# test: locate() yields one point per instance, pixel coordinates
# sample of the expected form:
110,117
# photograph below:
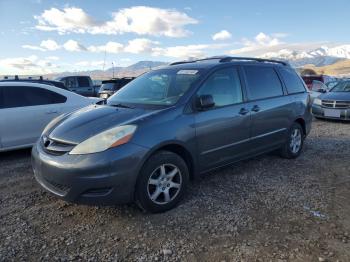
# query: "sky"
43,36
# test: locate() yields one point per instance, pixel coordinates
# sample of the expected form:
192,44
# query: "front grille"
97,192
336,104
59,189
56,147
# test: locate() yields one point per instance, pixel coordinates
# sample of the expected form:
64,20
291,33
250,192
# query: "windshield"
108,86
342,87
159,87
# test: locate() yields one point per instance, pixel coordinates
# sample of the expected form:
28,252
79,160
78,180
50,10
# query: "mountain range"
131,70
321,56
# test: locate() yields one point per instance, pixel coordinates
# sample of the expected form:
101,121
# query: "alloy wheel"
295,141
164,184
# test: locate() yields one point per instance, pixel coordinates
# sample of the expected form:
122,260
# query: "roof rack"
231,58
198,60
223,59
16,78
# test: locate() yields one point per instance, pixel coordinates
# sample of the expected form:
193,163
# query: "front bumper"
319,111
104,178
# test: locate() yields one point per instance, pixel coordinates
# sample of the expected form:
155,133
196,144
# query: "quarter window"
292,81
263,82
224,86
21,96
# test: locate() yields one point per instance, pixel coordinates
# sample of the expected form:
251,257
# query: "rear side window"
21,96
224,86
263,82
292,81
83,81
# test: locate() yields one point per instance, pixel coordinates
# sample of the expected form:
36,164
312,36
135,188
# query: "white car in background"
26,108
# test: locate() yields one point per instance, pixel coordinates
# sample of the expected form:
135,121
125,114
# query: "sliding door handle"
256,108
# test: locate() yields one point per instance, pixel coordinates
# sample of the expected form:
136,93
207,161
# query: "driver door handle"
52,112
256,108
243,111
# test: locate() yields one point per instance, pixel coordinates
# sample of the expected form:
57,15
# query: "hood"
340,96
91,120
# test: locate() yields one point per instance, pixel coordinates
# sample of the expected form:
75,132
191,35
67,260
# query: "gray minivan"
171,125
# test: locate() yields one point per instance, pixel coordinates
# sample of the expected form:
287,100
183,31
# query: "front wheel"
162,182
295,141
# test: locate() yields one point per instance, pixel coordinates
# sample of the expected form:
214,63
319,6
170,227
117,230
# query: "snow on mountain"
319,57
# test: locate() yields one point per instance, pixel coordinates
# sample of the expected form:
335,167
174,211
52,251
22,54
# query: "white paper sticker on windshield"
187,72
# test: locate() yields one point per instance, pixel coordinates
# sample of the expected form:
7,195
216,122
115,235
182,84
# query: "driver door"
223,131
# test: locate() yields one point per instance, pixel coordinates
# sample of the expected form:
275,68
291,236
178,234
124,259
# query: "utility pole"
113,68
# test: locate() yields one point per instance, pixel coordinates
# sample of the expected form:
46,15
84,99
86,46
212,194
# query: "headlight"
318,101
107,139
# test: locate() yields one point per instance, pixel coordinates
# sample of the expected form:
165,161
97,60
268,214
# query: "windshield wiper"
122,105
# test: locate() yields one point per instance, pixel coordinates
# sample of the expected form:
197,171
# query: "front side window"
69,82
263,82
224,86
22,96
159,87
292,81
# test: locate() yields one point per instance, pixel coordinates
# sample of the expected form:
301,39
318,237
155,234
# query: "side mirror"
321,90
205,101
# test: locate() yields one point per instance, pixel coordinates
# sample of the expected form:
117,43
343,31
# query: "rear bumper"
104,178
319,111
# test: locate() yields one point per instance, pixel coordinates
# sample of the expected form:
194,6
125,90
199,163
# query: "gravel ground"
263,209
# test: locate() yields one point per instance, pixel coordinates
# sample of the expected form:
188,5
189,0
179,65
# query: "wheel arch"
301,122
178,148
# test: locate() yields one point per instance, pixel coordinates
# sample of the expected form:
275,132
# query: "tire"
293,147
162,182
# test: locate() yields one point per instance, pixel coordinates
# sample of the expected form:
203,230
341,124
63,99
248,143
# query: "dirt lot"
264,209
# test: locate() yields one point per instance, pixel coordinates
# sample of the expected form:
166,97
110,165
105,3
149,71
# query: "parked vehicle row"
26,107
169,126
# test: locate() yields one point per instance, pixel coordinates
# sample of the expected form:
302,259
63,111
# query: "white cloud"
45,45
141,20
71,19
73,46
184,52
110,47
33,47
27,65
222,35
90,63
261,41
49,45
140,45
55,58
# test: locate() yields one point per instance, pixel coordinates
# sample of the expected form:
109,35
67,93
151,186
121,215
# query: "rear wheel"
162,182
295,141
